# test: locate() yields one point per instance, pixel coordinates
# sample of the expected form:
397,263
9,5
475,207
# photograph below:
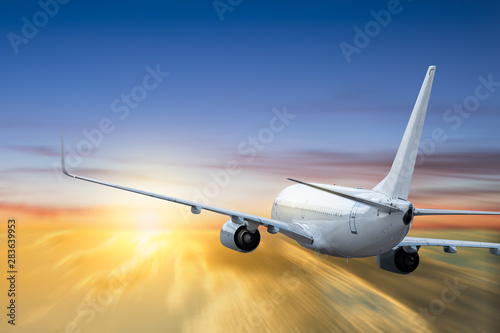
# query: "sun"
149,221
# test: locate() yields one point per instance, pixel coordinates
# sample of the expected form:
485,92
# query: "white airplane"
341,221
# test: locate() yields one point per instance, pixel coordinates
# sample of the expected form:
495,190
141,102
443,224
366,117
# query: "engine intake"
237,237
398,261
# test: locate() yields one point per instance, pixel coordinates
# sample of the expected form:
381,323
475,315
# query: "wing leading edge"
293,231
449,246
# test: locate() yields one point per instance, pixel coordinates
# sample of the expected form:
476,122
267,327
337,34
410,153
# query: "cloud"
34,150
41,211
321,164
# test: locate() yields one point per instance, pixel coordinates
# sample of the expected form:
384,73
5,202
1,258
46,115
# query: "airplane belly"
372,237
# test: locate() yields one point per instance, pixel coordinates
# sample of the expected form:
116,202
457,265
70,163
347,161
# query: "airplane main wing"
449,246
293,231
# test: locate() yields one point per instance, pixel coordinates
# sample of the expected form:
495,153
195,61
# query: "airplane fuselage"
341,227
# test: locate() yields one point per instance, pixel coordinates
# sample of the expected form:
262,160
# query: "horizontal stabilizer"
351,196
423,212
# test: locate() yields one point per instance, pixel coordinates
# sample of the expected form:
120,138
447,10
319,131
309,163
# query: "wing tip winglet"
63,162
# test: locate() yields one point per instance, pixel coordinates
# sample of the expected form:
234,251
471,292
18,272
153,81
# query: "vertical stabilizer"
397,182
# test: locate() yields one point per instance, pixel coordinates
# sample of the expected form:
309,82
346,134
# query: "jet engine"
398,261
408,217
237,237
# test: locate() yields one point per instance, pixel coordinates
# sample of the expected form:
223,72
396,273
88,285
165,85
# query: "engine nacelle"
237,237
398,261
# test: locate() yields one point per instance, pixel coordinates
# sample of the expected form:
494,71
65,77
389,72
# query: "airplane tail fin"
397,182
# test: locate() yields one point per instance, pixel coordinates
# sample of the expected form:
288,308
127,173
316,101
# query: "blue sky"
225,78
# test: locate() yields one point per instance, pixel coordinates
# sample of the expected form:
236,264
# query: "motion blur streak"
185,281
